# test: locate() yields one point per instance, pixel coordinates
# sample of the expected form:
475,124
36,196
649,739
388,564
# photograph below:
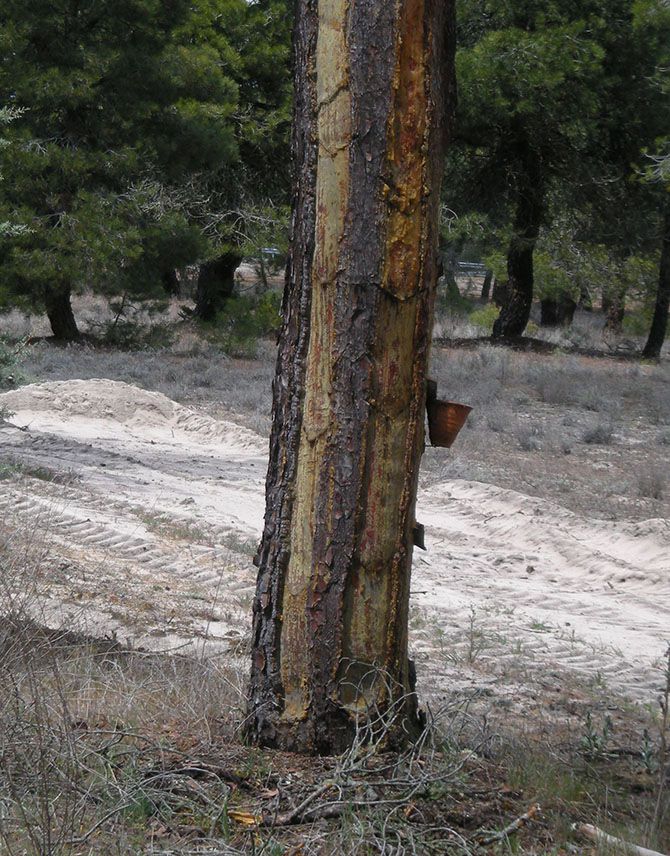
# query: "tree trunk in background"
61,317
486,287
548,312
659,323
170,282
372,83
515,311
557,312
614,307
216,283
567,306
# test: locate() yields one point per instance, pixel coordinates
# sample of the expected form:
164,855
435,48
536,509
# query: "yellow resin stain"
334,135
379,589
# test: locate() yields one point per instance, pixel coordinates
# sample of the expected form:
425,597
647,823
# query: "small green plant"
594,739
10,372
476,640
647,752
243,321
661,803
484,317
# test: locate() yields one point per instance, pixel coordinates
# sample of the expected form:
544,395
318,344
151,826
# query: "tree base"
338,729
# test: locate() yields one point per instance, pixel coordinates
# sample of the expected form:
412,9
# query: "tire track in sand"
152,526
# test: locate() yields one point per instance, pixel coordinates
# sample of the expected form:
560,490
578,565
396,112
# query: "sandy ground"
149,513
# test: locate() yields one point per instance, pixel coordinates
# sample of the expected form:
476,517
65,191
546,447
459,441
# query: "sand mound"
139,411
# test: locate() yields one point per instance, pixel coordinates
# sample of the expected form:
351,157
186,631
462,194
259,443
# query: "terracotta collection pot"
445,420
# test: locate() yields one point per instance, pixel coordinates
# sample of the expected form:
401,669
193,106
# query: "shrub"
243,321
10,373
131,336
651,483
600,434
638,321
484,317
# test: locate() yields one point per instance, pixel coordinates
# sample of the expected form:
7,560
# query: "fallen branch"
600,837
513,827
296,814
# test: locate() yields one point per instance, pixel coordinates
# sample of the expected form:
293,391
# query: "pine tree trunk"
486,287
331,607
548,312
171,284
614,307
61,317
567,307
659,323
216,283
515,311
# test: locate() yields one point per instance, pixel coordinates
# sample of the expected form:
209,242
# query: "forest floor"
132,496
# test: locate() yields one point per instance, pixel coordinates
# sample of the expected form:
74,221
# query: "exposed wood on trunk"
330,613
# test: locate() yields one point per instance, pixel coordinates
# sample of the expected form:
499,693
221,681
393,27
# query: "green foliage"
243,321
451,300
10,353
556,101
484,317
143,131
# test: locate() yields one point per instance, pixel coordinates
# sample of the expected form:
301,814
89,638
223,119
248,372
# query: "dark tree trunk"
452,286
559,312
548,312
216,283
614,307
486,287
515,311
659,322
171,284
566,310
329,640
499,292
61,317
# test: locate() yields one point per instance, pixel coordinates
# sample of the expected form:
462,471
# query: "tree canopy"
134,140
556,103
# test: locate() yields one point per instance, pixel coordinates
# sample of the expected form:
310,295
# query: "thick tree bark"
331,606
61,317
515,310
216,283
659,322
499,292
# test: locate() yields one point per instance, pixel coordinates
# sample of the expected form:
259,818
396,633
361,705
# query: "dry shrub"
83,722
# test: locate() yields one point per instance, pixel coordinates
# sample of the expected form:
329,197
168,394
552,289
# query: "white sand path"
527,575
